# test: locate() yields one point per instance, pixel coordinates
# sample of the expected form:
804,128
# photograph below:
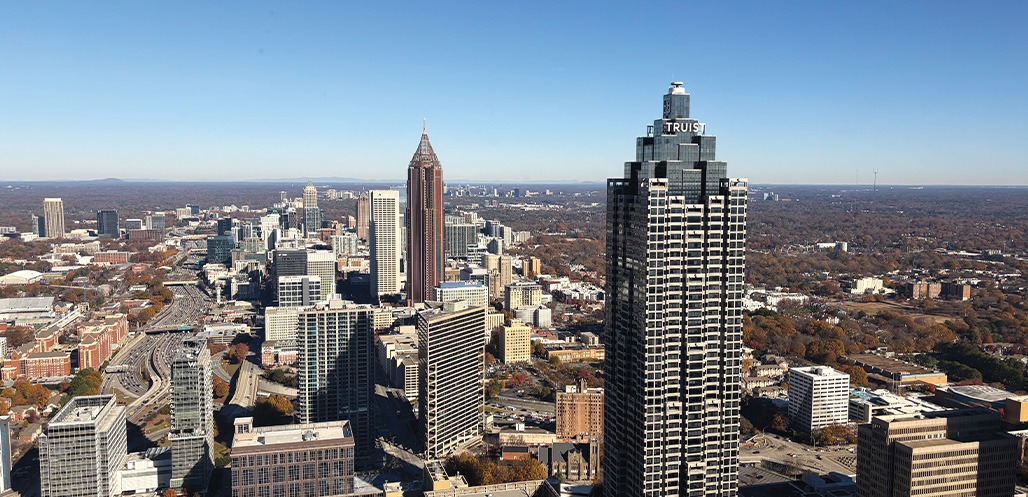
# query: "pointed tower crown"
424,155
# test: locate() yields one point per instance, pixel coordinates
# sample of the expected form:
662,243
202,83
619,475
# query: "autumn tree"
219,387
237,353
169,493
836,434
274,410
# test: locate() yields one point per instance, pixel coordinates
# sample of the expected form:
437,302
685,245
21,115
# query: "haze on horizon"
804,92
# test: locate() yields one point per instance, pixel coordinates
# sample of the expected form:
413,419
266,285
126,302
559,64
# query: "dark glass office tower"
425,244
676,227
107,223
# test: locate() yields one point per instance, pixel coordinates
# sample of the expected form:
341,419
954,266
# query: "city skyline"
235,92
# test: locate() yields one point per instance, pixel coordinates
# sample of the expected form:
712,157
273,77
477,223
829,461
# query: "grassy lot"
876,307
229,367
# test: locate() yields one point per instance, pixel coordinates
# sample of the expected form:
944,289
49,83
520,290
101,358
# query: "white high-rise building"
676,230
280,323
451,373
298,291
83,448
53,217
192,416
322,263
385,240
818,397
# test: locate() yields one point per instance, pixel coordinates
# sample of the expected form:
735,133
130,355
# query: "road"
819,460
524,405
187,308
247,379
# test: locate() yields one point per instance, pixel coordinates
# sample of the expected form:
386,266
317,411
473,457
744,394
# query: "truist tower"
676,229
425,234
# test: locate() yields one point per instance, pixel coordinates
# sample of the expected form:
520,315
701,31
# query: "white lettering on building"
687,127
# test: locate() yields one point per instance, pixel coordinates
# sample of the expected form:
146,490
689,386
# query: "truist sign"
672,127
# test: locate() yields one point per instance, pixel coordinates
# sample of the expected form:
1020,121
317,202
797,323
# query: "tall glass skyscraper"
425,236
107,223
676,227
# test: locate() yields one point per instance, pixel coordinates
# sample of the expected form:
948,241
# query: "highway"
187,308
247,380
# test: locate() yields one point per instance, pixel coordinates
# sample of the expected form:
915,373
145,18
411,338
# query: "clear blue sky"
927,92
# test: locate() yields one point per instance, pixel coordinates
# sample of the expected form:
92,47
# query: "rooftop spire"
424,154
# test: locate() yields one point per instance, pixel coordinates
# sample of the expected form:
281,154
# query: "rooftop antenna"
424,126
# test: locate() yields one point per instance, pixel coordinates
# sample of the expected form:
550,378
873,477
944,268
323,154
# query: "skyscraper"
107,223
5,453
219,249
192,417
83,448
311,213
37,225
384,238
322,263
336,353
425,236
451,357
676,227
53,216
363,215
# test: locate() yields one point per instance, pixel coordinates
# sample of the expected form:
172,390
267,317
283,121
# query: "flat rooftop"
287,434
983,393
26,304
891,365
461,284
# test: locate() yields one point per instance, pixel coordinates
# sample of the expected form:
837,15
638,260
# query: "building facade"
676,227
280,323
579,412
311,212
451,355
475,294
322,263
363,215
384,242
952,453
82,449
336,355
219,249
516,343
53,217
298,291
818,397
520,295
107,223
425,236
301,460
192,417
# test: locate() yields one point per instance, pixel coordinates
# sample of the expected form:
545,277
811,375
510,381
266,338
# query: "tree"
836,434
493,388
274,410
468,466
85,382
489,359
169,493
858,377
526,470
519,380
220,388
237,353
